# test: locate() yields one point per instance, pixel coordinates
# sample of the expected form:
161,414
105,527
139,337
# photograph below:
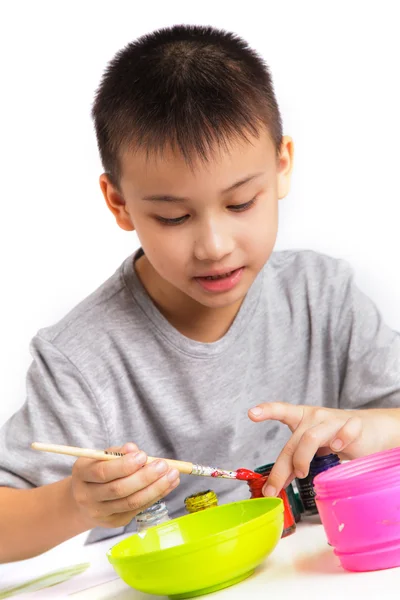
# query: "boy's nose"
213,243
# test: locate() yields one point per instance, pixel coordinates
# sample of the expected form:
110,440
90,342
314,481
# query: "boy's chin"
223,300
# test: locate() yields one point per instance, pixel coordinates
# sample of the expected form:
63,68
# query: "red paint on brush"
216,474
247,475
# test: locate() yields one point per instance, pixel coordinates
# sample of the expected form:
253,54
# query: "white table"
302,566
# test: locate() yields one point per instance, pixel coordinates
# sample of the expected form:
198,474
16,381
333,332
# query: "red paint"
247,475
289,524
221,285
216,474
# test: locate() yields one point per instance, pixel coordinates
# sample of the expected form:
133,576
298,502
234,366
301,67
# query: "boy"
204,323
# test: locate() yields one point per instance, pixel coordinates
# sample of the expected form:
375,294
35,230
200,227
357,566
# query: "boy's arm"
98,494
61,407
33,521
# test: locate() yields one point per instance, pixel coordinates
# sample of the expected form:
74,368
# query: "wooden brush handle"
182,466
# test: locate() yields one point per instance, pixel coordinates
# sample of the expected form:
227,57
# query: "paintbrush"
187,468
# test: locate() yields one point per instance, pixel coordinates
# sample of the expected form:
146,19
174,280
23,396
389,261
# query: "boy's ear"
285,166
116,203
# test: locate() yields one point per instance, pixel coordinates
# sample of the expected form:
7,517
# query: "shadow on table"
324,562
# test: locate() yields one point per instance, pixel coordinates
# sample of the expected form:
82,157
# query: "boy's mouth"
220,282
222,276
217,274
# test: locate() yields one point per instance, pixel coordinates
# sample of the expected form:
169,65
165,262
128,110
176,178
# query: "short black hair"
190,87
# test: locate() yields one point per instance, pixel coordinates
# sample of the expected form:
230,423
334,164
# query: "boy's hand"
348,433
109,493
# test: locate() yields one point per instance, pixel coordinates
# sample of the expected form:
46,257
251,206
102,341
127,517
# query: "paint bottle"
256,486
319,464
294,504
154,515
299,504
201,501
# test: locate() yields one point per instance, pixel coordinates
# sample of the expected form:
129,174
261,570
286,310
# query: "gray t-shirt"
115,370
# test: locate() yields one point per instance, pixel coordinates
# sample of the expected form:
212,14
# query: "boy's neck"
191,319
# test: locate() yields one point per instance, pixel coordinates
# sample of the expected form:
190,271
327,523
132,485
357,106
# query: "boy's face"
206,230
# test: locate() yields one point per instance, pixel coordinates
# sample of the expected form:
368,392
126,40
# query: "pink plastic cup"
359,506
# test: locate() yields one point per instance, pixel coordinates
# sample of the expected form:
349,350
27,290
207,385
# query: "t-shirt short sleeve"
368,350
59,408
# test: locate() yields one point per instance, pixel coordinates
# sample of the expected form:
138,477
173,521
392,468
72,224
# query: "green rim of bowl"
188,547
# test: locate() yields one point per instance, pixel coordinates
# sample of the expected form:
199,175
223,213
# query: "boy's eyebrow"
169,198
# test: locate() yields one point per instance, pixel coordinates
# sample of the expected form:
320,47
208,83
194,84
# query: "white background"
336,71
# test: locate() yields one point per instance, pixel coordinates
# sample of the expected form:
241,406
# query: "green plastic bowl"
201,552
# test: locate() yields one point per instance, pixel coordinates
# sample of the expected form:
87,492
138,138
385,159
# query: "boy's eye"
180,220
242,207
176,221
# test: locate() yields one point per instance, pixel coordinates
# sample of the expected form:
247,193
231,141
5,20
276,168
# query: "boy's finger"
288,481
283,467
289,414
129,447
348,434
125,449
299,451
126,486
104,471
138,501
311,441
